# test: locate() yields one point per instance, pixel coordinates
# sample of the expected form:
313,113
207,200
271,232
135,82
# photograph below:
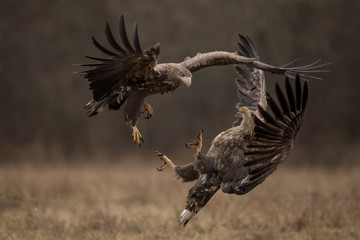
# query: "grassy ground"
133,202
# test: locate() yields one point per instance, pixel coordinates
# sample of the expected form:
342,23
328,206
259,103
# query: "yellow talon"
147,108
167,162
196,143
137,138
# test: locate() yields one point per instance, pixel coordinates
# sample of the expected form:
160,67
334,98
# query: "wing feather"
125,63
290,95
275,131
247,56
136,39
247,47
250,83
123,35
305,96
289,131
102,49
112,40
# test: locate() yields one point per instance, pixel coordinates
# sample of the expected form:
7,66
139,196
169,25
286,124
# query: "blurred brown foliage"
41,99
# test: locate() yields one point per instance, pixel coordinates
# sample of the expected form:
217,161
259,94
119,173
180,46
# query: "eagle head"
248,120
245,111
178,73
185,77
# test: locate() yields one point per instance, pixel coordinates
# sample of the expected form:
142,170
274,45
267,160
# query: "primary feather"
128,71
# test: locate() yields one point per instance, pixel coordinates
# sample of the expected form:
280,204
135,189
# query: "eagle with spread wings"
130,74
244,155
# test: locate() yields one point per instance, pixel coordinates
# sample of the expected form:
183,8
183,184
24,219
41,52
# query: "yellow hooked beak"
244,110
186,80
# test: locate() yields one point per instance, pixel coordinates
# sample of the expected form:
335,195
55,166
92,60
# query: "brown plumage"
244,155
131,74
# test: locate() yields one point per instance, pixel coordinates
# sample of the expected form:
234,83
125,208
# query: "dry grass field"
133,202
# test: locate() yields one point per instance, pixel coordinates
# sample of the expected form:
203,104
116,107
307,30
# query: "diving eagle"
244,155
131,74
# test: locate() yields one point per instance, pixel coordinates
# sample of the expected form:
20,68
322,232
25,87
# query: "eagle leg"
167,162
196,143
137,138
147,108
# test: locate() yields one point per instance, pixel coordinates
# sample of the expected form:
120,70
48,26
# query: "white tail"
185,217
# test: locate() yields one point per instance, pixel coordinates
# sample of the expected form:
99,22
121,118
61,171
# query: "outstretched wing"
128,63
250,82
274,136
203,60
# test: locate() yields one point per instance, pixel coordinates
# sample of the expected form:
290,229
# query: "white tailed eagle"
131,74
244,155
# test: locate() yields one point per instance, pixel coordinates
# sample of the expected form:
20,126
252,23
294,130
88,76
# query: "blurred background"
41,99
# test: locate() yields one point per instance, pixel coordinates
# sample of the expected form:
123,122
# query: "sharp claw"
196,143
160,169
159,154
136,137
140,141
148,116
199,136
146,109
167,162
191,144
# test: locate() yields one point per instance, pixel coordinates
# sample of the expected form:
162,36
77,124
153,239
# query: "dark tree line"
41,99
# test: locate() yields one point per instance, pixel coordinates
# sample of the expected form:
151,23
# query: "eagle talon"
136,136
143,115
167,162
161,168
159,154
196,143
146,108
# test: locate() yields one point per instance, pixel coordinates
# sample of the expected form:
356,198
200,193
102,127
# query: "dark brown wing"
128,63
274,136
203,60
250,82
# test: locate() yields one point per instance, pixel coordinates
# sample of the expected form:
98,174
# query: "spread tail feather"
206,186
185,217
